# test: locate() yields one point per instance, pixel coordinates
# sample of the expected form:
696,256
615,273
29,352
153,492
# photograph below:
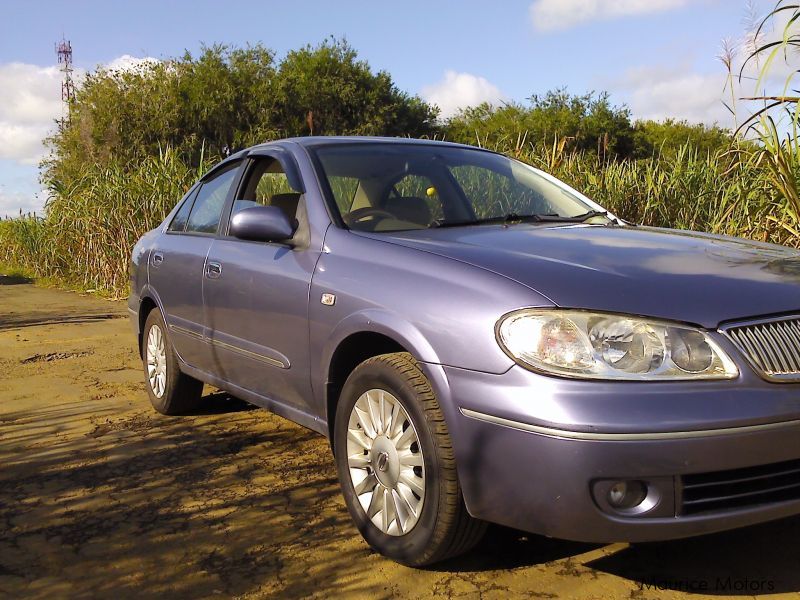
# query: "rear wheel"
396,464
171,392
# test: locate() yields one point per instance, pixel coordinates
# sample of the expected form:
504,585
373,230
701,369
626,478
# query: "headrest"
287,202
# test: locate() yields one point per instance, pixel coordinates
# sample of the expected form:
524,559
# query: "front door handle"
157,258
213,270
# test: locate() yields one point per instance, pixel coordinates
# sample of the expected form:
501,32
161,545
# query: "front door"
256,299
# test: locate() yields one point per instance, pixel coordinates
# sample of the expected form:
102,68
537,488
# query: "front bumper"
531,450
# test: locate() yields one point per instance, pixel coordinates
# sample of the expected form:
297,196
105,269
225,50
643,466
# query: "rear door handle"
157,258
213,270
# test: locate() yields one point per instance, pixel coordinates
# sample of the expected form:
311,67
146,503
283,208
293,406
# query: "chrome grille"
773,347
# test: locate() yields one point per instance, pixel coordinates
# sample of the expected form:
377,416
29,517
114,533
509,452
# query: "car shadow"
506,548
229,502
219,403
760,559
233,501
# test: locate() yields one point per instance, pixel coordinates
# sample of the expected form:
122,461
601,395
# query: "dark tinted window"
180,218
207,208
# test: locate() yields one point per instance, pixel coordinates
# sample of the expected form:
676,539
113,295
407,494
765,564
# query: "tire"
172,392
441,527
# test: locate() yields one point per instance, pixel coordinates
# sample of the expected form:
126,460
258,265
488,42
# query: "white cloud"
30,103
23,142
126,62
676,90
553,15
457,91
659,93
13,202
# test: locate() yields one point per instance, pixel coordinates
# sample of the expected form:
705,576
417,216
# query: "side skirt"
288,412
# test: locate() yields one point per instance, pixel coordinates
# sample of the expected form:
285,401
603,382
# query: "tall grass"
89,228
726,193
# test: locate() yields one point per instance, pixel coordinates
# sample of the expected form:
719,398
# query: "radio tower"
64,52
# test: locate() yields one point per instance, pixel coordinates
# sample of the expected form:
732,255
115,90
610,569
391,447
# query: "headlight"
591,345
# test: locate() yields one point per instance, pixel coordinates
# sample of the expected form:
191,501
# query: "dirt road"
102,497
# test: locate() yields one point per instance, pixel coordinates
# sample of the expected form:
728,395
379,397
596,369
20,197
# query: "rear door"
178,261
257,297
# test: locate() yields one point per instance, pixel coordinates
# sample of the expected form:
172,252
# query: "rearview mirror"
261,224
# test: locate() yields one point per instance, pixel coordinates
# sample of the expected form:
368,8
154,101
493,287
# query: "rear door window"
207,208
180,218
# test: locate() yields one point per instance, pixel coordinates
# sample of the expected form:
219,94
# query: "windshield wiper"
515,218
612,220
509,218
576,219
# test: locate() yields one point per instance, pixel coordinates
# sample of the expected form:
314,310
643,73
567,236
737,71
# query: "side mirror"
261,224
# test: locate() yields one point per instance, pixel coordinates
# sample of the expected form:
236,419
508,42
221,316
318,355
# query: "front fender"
384,322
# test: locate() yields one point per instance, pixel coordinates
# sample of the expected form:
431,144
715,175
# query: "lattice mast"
64,52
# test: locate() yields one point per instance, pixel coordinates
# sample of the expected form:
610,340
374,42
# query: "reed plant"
89,228
85,238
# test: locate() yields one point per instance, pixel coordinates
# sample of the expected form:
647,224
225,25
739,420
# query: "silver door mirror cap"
262,224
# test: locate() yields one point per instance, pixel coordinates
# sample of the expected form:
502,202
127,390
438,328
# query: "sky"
658,57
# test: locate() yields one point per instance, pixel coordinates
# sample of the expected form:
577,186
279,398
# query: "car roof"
328,140
331,140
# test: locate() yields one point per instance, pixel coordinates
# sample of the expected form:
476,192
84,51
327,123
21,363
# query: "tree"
590,122
666,137
224,99
327,90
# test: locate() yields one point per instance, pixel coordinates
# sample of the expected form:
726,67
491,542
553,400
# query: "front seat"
287,202
410,209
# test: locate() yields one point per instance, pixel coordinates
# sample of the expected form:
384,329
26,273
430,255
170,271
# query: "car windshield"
393,187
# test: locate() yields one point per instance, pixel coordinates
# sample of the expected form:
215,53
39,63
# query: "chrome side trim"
254,355
622,437
185,331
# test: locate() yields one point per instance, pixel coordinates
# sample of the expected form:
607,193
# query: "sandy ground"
102,497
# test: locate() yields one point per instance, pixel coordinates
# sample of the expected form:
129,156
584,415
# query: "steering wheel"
366,212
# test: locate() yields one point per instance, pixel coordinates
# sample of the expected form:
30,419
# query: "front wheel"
171,392
396,464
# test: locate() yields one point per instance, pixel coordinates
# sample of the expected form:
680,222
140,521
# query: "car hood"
691,277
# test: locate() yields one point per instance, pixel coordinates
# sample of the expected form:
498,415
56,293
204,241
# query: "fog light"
627,494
